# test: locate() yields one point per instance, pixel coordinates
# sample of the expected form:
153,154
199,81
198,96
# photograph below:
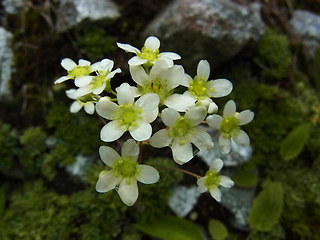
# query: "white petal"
68,64
216,165
111,131
158,68
212,107
224,145
229,109
245,117
196,115
201,187
75,107
114,72
130,149
182,153
128,48
139,75
242,138
160,139
186,81
201,139
62,79
83,63
107,64
125,94
142,132
169,116
226,182
180,102
170,55
203,69
174,76
135,61
106,108
152,43
106,182
83,81
148,174
221,87
100,89
148,103
214,121
70,93
83,91
108,155
128,191
89,108
216,194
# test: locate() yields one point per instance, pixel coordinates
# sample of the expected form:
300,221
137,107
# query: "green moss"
274,54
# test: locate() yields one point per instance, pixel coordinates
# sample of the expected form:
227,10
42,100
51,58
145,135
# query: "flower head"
149,54
181,131
86,101
202,90
212,180
97,84
161,80
75,71
125,172
229,126
131,116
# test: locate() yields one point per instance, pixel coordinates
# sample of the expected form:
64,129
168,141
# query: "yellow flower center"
212,179
199,88
180,129
79,71
229,127
97,81
157,86
149,54
127,115
126,168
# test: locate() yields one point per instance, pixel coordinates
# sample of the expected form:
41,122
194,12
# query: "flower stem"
184,171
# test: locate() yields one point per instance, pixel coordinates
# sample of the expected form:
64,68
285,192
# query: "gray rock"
14,6
6,61
207,29
238,201
237,156
73,12
79,167
306,25
183,200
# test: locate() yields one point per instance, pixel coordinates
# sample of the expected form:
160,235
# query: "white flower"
131,116
181,131
86,101
212,180
202,90
77,72
229,126
125,172
149,54
96,84
161,80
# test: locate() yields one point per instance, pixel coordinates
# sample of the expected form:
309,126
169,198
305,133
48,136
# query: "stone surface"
237,156
14,6
215,30
73,12
306,25
183,200
238,201
79,167
6,58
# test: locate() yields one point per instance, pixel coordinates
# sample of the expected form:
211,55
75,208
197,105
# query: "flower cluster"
134,109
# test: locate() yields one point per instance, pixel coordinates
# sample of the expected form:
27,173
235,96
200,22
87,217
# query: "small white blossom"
181,131
76,72
212,180
125,172
131,116
97,84
149,54
161,80
228,125
201,90
87,102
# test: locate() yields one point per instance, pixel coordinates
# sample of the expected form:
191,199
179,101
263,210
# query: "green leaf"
267,207
217,230
293,144
245,178
171,228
